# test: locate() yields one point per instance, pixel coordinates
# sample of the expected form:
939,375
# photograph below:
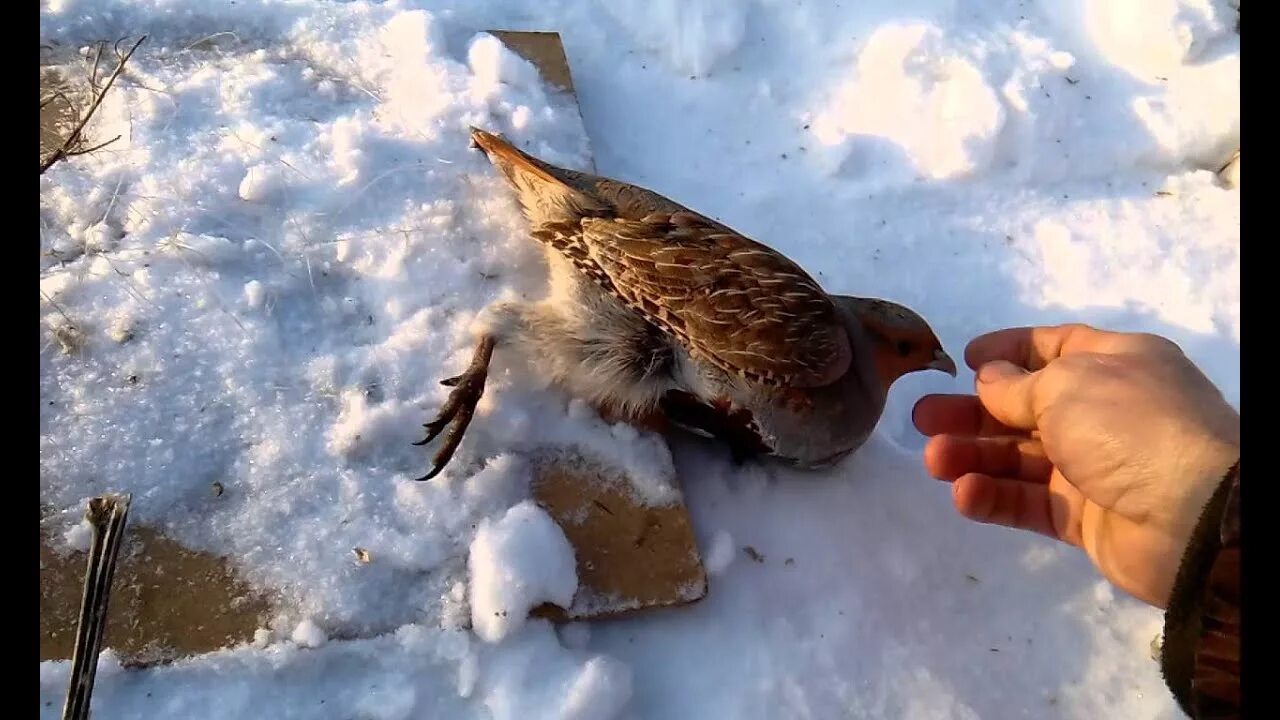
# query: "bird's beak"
943,362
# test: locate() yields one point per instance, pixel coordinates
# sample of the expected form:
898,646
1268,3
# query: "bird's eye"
904,348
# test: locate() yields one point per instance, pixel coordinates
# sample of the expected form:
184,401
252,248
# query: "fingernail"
998,370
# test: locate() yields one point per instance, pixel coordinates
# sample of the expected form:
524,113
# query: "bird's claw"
458,409
435,470
433,429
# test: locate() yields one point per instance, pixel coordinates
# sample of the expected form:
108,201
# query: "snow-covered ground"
272,268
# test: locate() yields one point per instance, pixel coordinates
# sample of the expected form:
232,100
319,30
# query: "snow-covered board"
169,601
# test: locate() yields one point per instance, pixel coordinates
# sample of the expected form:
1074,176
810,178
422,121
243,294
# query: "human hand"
1113,442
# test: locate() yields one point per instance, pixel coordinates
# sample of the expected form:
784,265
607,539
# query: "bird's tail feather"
513,162
545,195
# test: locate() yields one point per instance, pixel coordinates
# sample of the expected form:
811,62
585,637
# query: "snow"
262,282
261,638
308,635
691,38
719,555
79,536
517,563
493,65
599,692
575,635
929,104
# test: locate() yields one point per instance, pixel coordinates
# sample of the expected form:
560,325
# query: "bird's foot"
458,409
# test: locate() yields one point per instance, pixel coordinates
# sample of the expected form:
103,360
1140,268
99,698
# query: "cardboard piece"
545,51
166,601
629,557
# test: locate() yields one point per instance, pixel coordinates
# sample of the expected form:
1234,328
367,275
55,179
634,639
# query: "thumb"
1007,392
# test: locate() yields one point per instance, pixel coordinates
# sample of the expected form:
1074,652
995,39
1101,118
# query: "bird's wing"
732,301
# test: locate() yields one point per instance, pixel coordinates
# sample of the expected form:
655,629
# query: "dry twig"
72,146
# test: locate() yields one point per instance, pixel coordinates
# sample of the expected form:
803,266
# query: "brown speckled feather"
728,300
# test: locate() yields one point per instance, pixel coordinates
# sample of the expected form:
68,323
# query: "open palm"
1112,442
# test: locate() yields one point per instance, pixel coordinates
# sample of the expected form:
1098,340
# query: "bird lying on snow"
662,317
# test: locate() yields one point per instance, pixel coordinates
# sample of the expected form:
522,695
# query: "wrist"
1200,657
1207,465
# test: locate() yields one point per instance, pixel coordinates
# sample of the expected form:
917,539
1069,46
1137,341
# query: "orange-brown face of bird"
903,342
900,352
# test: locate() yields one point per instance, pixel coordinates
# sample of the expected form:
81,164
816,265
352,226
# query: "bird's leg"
457,410
717,419
652,420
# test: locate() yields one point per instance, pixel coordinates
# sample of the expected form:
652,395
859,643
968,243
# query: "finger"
1066,506
1018,398
948,457
1001,501
1010,394
1034,347
956,415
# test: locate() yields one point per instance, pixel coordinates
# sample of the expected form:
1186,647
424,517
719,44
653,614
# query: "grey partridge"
662,317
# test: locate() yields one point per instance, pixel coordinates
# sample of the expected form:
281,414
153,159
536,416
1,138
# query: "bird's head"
903,342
